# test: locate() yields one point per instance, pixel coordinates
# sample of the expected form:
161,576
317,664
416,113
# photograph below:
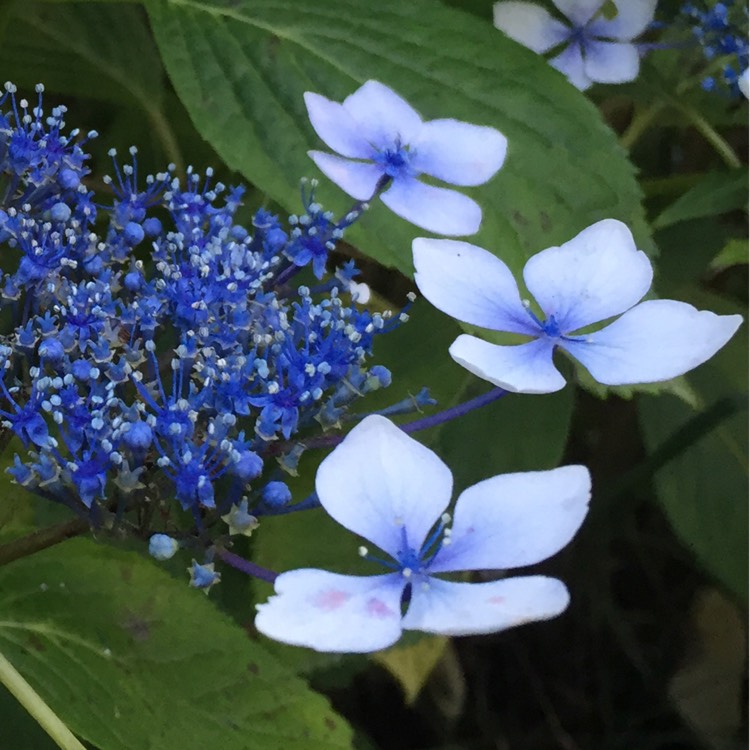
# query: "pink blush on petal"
377,608
330,600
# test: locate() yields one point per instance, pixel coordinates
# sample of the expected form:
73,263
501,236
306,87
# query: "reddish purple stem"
245,566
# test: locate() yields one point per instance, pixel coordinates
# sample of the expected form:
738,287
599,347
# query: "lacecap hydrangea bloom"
383,144
157,342
595,47
391,490
597,275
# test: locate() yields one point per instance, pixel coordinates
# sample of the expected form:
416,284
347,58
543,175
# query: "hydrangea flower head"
721,29
382,141
391,490
597,49
597,275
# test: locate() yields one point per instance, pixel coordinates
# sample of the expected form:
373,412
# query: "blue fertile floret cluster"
157,346
721,29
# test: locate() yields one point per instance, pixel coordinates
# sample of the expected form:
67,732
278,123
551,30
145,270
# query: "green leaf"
703,491
516,433
412,664
62,46
241,68
130,658
708,688
734,253
716,193
18,729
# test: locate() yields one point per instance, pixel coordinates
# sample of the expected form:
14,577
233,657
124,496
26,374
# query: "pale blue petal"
611,62
458,152
744,83
384,485
513,520
525,368
432,208
448,608
331,612
656,340
597,274
336,127
382,116
580,12
357,178
471,285
529,25
632,19
570,63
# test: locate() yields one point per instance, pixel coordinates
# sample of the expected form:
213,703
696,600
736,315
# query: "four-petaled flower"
383,142
597,49
598,274
390,489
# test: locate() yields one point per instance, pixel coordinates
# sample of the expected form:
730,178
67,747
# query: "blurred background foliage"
652,652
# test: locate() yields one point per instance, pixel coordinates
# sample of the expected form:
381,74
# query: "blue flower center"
549,326
579,35
411,562
552,328
395,161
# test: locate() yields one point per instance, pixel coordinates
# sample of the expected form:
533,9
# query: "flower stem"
455,411
35,705
245,566
310,502
640,124
704,127
328,441
42,539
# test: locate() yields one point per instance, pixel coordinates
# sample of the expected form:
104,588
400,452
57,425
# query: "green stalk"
722,148
640,123
42,539
33,703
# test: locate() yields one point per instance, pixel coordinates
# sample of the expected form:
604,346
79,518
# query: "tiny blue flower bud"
68,179
248,466
383,374
138,437
133,233
162,547
238,233
276,494
152,227
133,281
51,350
81,369
93,265
60,212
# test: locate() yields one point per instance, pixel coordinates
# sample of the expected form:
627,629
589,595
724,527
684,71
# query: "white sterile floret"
381,142
591,47
597,275
386,487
